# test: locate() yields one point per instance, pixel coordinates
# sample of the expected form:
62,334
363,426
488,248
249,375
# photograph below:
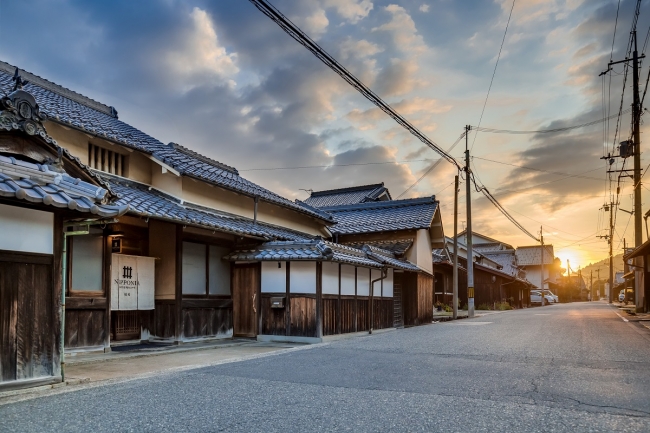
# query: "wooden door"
398,315
245,299
27,331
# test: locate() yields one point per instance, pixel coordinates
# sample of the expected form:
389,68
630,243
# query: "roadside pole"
541,287
468,236
455,274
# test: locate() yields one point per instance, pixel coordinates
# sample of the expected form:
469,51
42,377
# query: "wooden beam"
287,308
107,262
319,299
179,283
338,309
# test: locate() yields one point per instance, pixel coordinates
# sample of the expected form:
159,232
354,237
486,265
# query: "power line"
539,169
494,72
294,31
338,165
434,165
547,131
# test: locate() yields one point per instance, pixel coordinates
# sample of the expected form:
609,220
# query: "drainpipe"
384,272
257,199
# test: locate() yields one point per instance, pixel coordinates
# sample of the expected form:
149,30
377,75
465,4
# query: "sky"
221,78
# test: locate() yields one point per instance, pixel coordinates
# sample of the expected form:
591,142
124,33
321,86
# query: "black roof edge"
382,204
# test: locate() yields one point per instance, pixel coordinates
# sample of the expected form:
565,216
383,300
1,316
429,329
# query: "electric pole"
470,255
541,238
568,274
611,258
591,285
455,274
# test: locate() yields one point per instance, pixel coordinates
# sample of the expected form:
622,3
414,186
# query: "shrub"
502,306
483,307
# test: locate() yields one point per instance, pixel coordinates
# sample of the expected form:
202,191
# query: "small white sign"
132,282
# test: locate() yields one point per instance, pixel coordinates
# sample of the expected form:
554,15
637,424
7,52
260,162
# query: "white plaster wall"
302,277
26,230
274,278
347,280
330,278
374,274
363,281
388,285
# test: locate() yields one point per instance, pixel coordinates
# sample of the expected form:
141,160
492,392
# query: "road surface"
562,368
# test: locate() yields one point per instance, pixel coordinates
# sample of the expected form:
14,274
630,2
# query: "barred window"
106,160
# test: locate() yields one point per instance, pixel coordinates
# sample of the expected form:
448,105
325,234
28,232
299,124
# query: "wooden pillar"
287,308
356,303
259,299
108,260
338,309
319,299
57,287
179,283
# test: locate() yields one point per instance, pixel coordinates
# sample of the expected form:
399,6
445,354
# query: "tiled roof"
146,201
505,258
532,255
306,250
37,183
488,246
388,258
77,111
381,216
344,196
397,247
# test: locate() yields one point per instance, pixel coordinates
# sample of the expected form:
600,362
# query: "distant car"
621,296
547,293
536,297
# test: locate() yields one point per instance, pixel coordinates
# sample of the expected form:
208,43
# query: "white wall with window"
204,273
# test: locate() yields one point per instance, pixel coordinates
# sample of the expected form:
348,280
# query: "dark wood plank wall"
417,298
164,319
398,312
245,287
84,328
27,328
273,319
383,313
303,315
348,314
330,314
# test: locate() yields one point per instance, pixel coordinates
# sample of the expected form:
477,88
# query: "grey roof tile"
146,201
345,196
532,255
393,215
36,183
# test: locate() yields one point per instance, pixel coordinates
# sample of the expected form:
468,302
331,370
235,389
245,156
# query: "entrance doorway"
245,299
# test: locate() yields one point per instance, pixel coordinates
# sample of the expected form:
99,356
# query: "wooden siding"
330,314
303,315
383,313
417,298
164,319
273,319
348,314
206,322
398,312
28,333
84,328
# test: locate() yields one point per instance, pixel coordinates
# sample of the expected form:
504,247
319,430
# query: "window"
204,273
86,261
106,160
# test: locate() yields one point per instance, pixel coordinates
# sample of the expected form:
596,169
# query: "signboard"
132,282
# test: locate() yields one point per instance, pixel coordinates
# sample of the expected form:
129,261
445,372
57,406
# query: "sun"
576,258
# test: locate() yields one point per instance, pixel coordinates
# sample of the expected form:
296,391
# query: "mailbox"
277,302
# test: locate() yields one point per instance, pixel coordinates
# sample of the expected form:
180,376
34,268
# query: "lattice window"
106,160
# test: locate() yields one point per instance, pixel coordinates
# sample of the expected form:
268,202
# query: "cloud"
397,77
358,48
424,8
315,25
351,10
197,57
402,27
417,109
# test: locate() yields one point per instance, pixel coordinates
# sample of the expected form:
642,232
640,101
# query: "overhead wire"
302,38
494,72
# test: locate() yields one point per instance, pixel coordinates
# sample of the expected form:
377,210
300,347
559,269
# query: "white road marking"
624,319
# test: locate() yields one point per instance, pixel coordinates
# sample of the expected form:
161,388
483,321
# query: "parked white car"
556,299
536,297
621,296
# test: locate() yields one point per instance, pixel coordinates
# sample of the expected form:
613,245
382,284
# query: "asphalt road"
562,368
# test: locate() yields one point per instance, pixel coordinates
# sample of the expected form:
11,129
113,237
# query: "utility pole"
591,285
470,255
611,258
600,284
455,274
568,274
541,287
636,118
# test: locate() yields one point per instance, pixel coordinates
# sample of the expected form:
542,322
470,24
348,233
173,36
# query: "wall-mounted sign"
132,282
116,245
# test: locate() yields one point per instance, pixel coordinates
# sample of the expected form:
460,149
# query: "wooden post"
259,298
338,310
287,307
57,288
356,302
319,299
108,257
179,283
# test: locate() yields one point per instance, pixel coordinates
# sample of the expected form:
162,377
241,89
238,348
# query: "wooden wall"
206,318
417,298
29,326
164,321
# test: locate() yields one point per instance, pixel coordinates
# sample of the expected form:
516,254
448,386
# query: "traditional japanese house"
157,273
46,195
409,228
497,277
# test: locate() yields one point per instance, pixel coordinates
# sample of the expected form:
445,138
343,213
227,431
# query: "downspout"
384,272
257,199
